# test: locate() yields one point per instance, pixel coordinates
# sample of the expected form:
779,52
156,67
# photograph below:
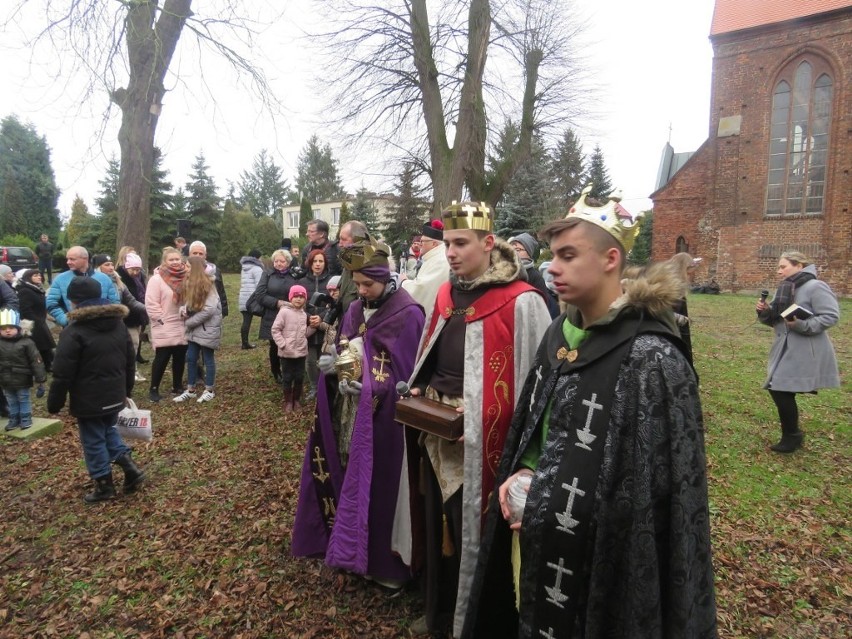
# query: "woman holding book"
802,358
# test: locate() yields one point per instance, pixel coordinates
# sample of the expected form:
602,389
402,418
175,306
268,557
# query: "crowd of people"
574,503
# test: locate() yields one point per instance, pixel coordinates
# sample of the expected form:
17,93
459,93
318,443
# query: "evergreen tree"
25,166
598,175
263,190
641,253
108,199
106,221
529,200
364,210
306,214
408,210
235,242
202,204
13,221
317,174
81,228
344,214
164,217
569,175
106,225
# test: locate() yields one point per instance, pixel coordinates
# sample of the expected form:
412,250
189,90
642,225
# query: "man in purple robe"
350,475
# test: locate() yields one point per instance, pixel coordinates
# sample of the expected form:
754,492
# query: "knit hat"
529,243
298,289
333,283
82,289
132,260
4,270
255,253
101,258
434,230
10,317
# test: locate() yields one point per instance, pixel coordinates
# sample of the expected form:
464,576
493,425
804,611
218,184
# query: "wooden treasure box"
430,417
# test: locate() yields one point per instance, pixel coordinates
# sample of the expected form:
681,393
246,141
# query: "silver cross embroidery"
566,521
535,388
547,635
554,593
585,436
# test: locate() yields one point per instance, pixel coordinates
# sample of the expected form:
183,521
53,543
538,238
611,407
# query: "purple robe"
347,516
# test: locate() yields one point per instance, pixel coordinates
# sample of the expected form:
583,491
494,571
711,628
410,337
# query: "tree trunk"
151,42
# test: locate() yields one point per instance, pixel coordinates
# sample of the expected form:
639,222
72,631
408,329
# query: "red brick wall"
716,201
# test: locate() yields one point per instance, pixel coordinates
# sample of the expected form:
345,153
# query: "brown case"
430,416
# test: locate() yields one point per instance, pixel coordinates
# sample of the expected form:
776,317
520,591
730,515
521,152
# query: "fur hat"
298,289
101,258
529,243
82,289
132,260
434,230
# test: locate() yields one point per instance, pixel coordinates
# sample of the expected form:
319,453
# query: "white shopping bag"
135,423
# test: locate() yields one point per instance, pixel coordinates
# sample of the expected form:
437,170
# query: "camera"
320,304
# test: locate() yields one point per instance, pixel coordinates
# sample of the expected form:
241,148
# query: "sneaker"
12,425
206,396
154,396
184,396
140,378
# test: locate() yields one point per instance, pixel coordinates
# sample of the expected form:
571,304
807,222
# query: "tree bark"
151,43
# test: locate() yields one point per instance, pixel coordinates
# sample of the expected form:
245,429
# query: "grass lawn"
203,549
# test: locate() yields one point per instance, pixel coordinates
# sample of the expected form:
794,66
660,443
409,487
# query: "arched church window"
681,245
799,138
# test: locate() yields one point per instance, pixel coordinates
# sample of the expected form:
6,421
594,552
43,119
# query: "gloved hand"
326,363
352,388
40,391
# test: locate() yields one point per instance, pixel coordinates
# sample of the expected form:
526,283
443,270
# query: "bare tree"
422,85
133,43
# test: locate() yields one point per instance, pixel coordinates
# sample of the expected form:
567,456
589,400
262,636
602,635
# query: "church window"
798,139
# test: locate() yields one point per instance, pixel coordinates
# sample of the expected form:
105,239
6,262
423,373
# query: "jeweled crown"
366,251
623,229
476,216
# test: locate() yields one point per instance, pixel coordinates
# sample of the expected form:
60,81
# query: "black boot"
247,347
104,490
790,442
297,395
133,475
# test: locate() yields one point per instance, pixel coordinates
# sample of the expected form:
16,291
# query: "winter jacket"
167,327
32,302
204,327
802,358
330,250
252,271
136,286
94,362
20,363
8,296
57,296
216,274
273,286
108,289
290,331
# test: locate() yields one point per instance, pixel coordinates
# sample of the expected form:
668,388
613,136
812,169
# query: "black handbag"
254,306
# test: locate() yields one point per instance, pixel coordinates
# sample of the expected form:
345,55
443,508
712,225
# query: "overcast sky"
652,60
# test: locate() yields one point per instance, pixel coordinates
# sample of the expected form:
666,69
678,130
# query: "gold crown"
623,229
476,216
366,251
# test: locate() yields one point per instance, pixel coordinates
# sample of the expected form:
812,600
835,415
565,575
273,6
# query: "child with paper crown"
20,364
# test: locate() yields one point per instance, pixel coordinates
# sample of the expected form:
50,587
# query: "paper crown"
10,317
623,228
366,251
476,216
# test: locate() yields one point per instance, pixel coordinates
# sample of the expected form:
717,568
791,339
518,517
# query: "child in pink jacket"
290,331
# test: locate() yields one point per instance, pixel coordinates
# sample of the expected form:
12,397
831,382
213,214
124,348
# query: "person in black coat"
31,298
273,291
8,296
94,365
315,282
129,269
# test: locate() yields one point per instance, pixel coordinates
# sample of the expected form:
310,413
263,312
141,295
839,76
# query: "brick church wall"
716,201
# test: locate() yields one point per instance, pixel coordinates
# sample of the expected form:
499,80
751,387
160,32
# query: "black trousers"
162,355
245,327
788,410
292,371
274,360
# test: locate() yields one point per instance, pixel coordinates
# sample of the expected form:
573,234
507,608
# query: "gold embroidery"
469,310
319,459
329,511
381,375
564,353
362,329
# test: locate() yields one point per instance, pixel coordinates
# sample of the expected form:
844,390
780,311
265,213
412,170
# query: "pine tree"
641,253
164,217
317,173
567,168
529,200
408,211
106,222
344,214
306,214
598,175
203,206
12,220
364,210
263,190
80,225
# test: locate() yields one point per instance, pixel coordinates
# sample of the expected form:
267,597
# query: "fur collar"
105,311
504,268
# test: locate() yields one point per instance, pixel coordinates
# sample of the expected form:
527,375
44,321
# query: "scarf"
174,279
786,291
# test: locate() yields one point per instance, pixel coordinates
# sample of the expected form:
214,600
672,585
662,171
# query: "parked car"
18,257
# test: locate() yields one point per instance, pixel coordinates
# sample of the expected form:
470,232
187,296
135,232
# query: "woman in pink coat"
290,331
163,299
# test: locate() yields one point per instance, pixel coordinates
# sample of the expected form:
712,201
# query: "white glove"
352,388
326,363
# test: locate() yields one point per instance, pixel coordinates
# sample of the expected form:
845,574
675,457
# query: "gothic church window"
799,138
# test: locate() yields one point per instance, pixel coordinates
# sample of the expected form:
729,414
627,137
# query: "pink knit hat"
298,289
131,260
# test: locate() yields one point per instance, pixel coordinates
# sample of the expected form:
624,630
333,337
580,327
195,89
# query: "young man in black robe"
613,538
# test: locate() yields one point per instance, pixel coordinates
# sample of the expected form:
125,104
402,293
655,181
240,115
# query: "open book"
794,311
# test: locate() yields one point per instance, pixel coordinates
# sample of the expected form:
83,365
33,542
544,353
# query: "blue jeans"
19,402
101,442
209,357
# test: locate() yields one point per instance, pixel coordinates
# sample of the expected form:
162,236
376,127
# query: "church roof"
735,15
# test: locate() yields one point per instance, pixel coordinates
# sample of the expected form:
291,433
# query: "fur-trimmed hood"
100,312
505,267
